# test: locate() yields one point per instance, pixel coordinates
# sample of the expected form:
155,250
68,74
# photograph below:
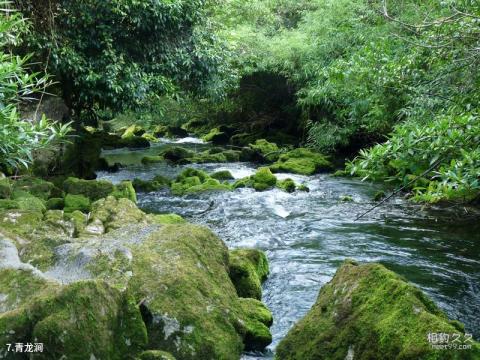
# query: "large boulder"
118,282
194,181
369,312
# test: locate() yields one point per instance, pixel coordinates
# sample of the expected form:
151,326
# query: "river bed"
306,236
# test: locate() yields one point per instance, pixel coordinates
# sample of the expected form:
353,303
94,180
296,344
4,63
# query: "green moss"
83,320
370,310
258,319
125,190
303,187
346,198
243,183
91,189
20,222
153,159
222,175
37,187
232,155
55,204
193,180
169,219
263,179
267,150
155,355
248,268
8,204
157,183
379,195
287,185
301,161
149,137
77,202
79,221
115,213
213,135
31,203
132,131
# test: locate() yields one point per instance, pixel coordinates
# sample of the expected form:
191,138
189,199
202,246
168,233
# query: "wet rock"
115,213
287,185
217,136
222,175
156,184
301,161
257,322
263,179
367,312
193,180
176,154
152,159
248,269
132,131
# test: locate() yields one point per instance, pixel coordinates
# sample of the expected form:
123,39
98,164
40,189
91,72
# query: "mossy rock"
132,131
193,181
287,185
160,130
379,195
267,150
217,137
150,137
176,154
37,187
156,184
79,221
303,188
155,355
165,219
258,320
115,213
232,155
125,190
55,204
263,179
77,202
248,269
301,161
222,175
152,159
84,320
346,198
176,131
180,273
367,311
31,203
92,189
135,142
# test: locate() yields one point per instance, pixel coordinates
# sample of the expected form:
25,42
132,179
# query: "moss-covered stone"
267,150
346,198
222,175
263,179
217,137
155,355
180,273
79,221
91,189
152,159
303,188
193,180
257,323
55,204
156,184
37,187
379,195
125,190
84,320
132,131
367,312
115,213
287,185
248,269
301,161
165,219
176,154
31,203
77,202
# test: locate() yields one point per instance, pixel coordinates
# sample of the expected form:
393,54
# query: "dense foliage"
19,139
109,56
365,69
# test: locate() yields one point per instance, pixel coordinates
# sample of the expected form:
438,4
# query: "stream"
306,236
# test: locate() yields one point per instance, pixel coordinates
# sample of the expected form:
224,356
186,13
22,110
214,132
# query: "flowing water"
306,236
